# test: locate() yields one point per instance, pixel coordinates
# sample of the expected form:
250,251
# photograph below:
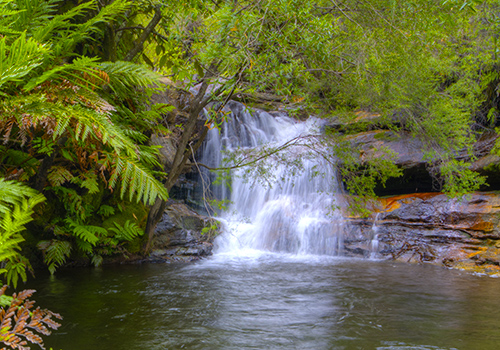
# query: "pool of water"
271,301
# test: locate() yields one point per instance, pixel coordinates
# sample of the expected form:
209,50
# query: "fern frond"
150,155
56,252
71,72
33,14
138,181
61,22
84,246
106,14
87,233
13,193
19,58
127,232
15,268
59,175
73,203
87,180
126,76
19,320
101,128
106,210
16,202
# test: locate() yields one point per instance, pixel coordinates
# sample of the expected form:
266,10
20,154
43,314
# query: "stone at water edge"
180,235
461,233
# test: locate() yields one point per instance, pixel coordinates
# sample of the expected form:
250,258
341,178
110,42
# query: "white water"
289,210
374,244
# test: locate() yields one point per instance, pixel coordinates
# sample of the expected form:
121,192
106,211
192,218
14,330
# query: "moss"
135,246
124,211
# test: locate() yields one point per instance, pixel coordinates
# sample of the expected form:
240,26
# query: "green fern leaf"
106,210
127,232
59,175
69,72
19,59
125,76
87,180
138,181
56,252
84,246
87,233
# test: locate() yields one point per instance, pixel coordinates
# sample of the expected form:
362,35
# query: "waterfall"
374,243
285,203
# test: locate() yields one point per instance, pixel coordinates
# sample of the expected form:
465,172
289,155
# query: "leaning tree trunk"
184,152
181,157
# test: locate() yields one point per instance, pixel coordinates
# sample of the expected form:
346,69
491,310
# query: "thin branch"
339,74
241,164
161,36
345,14
203,183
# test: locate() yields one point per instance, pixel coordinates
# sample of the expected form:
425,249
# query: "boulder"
183,235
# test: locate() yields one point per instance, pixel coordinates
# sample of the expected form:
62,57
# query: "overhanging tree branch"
139,44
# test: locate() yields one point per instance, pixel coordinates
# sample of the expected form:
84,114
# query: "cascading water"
296,213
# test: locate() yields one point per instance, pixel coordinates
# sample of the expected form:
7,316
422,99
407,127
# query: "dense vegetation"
76,160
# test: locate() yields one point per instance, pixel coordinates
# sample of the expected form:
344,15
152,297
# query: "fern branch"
137,180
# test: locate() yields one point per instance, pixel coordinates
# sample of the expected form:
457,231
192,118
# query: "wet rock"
183,235
430,227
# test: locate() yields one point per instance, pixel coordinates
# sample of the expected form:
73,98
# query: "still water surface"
272,301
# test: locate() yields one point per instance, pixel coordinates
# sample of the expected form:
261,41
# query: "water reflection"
272,302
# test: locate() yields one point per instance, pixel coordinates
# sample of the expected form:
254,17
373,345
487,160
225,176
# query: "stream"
271,301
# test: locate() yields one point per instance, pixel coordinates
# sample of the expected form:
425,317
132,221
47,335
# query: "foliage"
20,323
431,64
61,132
17,202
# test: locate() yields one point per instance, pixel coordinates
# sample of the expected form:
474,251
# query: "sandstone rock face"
430,227
183,235
370,136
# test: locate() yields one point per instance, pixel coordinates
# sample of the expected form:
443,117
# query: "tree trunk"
183,151
180,160
139,44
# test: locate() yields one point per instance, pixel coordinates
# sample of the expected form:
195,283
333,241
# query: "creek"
279,277
272,301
